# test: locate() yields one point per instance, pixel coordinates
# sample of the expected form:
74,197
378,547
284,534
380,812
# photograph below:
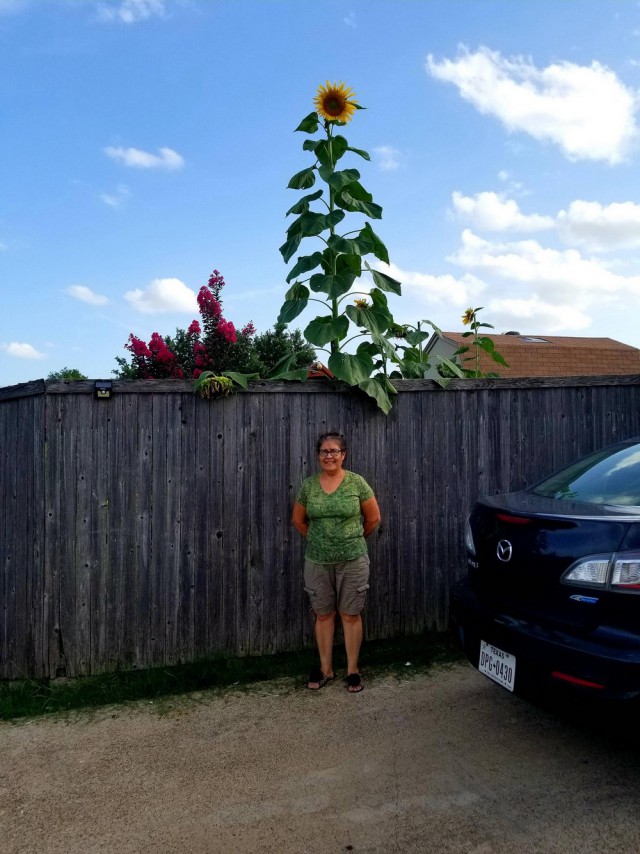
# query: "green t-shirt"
335,520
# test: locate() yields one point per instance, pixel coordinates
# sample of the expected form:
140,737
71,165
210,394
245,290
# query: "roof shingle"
558,356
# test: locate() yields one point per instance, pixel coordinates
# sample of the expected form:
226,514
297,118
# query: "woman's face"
331,456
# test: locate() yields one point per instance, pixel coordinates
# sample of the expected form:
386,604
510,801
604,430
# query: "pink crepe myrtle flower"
137,347
228,331
209,305
216,280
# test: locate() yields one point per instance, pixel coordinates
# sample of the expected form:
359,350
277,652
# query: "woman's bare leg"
352,627
325,627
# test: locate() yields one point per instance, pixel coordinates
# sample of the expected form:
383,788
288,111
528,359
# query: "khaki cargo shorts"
337,586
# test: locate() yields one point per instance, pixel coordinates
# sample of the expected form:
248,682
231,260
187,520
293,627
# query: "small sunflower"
361,303
468,317
334,102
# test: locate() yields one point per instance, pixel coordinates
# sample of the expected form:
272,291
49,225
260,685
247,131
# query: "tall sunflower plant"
329,274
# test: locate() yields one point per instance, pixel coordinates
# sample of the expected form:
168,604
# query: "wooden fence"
153,528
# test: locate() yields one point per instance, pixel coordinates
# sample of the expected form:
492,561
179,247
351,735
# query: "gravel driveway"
441,762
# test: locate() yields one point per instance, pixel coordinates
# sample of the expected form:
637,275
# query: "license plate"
497,665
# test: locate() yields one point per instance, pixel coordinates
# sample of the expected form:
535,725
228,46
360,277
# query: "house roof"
553,356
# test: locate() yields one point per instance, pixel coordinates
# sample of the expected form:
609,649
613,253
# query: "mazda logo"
504,551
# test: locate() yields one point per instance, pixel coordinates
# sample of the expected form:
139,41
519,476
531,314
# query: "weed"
29,698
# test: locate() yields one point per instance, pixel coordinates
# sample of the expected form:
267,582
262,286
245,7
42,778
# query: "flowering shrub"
153,360
212,345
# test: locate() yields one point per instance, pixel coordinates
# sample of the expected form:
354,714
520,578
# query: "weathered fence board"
153,528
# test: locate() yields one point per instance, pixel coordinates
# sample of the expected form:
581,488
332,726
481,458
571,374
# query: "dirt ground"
441,762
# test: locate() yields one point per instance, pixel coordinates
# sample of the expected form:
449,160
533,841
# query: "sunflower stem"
335,345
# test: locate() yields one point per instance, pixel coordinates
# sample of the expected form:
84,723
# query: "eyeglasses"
334,452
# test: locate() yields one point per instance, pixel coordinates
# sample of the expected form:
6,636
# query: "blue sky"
144,143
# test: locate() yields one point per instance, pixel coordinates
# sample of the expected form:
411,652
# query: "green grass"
29,698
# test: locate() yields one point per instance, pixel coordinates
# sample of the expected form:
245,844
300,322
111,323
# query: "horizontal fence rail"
153,527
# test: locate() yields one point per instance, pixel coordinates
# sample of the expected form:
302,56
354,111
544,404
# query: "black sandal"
354,683
317,678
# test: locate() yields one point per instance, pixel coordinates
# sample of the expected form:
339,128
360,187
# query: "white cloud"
492,212
601,227
436,289
586,110
350,20
388,157
131,11
117,198
137,159
85,294
163,295
536,315
544,289
560,275
22,350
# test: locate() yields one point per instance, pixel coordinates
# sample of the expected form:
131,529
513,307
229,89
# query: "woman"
329,512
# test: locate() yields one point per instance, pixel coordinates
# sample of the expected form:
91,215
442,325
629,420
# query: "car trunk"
535,550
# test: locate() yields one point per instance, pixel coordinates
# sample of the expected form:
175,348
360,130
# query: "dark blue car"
552,593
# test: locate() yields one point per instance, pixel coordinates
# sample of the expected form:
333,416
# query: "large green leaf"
329,151
309,124
384,282
304,264
346,245
291,308
295,227
370,242
379,388
416,336
338,147
303,180
372,317
455,369
349,264
341,179
367,347
241,379
299,375
489,347
325,172
324,329
283,370
349,368
333,286
347,201
289,249
356,191
385,347
364,154
310,144
302,206
312,224
379,299
297,291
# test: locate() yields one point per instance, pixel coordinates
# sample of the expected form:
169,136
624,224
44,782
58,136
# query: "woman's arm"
299,519
371,513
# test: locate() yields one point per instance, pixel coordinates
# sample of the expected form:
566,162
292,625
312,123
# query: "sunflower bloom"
334,102
361,303
468,317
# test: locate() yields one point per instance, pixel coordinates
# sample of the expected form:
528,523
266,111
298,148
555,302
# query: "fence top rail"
312,386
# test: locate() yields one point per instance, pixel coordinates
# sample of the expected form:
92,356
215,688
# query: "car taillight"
626,572
619,571
468,538
592,570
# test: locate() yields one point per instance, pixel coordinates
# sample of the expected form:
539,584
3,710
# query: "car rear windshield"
611,476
